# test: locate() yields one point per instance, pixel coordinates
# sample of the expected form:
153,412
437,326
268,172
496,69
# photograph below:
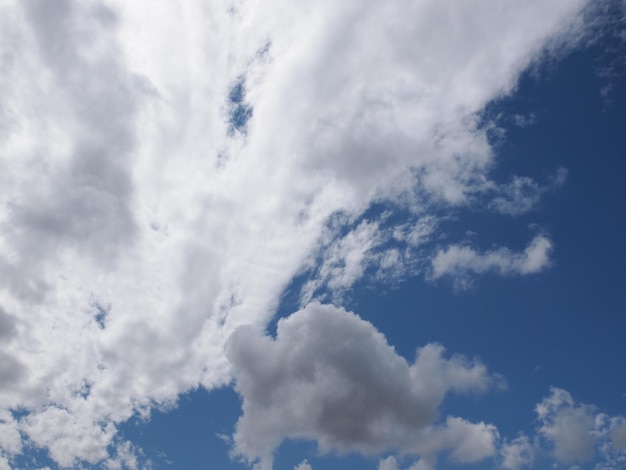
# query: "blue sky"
346,236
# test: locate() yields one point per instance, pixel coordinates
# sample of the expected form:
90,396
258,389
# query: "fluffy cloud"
303,466
577,432
462,262
10,440
390,463
139,230
618,434
567,426
517,454
567,433
331,377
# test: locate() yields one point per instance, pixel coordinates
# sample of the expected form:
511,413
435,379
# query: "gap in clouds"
196,431
240,111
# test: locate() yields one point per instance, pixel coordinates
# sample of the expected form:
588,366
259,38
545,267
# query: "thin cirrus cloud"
148,210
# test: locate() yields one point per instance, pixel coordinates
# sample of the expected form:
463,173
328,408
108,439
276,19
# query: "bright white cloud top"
168,168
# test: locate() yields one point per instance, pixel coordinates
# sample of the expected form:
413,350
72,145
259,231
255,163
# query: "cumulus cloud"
578,432
517,454
390,463
140,226
461,262
567,426
421,464
304,465
10,439
331,377
618,434
568,433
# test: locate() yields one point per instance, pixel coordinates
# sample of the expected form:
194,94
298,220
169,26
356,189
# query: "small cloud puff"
390,463
461,262
578,432
517,454
304,465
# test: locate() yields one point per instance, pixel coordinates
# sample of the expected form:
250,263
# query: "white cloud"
388,463
517,454
578,433
345,260
568,433
523,193
618,434
569,427
470,442
138,233
331,377
421,464
304,465
462,263
74,437
524,120
390,250
10,439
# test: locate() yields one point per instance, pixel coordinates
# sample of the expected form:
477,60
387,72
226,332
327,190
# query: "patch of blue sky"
192,435
240,111
33,458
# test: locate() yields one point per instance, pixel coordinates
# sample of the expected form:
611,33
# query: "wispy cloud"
462,263
303,466
522,194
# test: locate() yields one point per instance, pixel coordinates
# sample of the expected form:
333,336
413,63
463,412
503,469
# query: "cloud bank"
168,168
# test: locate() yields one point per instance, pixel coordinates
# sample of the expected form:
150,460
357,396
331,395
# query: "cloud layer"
143,220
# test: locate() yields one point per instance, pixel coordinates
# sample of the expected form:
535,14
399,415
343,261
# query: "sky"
313,235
